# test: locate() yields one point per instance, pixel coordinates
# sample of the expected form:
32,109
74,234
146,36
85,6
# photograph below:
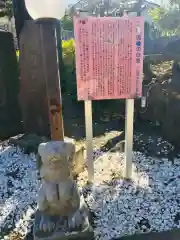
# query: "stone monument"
62,212
10,113
33,94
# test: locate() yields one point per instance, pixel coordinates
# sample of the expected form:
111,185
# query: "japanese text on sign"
109,57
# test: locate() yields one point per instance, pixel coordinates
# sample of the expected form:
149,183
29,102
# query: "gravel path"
150,202
18,189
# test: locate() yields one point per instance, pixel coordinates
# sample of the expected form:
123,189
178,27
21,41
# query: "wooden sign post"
109,65
89,138
129,138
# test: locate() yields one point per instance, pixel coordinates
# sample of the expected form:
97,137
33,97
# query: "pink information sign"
109,57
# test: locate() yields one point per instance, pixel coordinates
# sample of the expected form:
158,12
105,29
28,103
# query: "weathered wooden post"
40,80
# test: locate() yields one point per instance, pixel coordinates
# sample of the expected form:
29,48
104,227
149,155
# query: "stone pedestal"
62,212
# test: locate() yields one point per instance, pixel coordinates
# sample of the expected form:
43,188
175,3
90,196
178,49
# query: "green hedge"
68,72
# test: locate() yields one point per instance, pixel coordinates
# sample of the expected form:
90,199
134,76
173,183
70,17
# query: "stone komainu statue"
62,212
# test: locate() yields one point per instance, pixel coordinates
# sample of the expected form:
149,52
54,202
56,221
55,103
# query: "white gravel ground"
18,190
150,202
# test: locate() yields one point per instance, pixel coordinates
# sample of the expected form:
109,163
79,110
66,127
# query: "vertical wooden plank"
89,139
52,79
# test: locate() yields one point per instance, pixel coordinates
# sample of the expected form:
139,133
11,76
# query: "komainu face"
56,160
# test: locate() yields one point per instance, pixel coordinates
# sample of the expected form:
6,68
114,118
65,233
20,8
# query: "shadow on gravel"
146,140
168,235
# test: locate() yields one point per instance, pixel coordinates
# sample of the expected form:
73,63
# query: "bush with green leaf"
68,52
69,72
167,21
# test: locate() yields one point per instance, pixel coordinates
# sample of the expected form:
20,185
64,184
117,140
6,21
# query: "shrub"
69,70
68,51
17,54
